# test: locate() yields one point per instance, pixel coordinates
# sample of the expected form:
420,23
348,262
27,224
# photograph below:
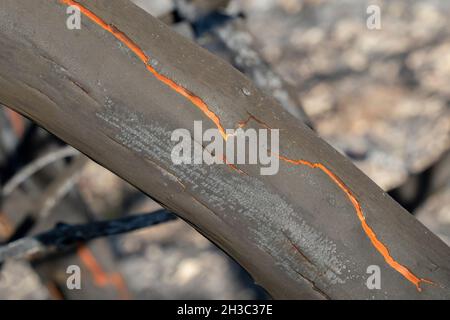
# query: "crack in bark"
200,104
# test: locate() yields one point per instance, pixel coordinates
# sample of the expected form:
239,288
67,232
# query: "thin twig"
60,187
37,165
65,235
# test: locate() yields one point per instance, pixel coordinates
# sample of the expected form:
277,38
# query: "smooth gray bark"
296,232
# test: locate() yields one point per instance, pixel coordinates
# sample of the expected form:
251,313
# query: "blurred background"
370,77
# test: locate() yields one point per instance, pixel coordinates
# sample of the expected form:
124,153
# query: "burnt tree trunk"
118,87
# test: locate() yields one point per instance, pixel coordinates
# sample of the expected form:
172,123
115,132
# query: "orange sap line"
199,103
381,248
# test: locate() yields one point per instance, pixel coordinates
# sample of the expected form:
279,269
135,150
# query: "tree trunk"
118,87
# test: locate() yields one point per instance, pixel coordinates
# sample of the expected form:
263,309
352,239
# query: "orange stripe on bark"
381,248
194,99
200,104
